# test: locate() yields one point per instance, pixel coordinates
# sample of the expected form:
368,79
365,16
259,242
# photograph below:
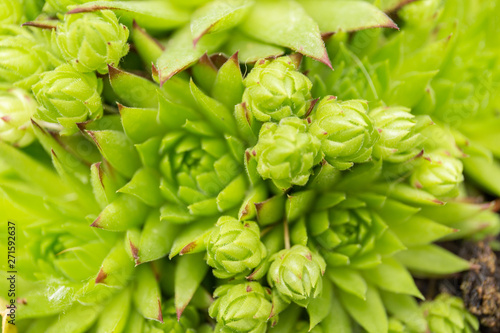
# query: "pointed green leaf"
337,320
118,150
145,185
392,276
218,15
214,111
192,238
275,22
157,237
349,280
369,313
180,52
189,273
346,15
319,307
271,210
147,296
140,124
431,260
133,90
148,47
114,317
419,230
153,15
250,50
123,213
76,320
228,86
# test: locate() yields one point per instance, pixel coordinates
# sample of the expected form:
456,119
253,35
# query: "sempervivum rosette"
92,41
11,11
67,97
346,132
400,137
439,174
241,308
286,152
234,247
16,109
447,313
275,90
297,273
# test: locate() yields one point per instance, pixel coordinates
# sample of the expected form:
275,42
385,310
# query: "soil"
479,287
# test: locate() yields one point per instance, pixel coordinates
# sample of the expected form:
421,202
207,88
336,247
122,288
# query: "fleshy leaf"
217,16
157,238
392,276
180,53
140,124
275,22
369,313
147,296
133,90
228,86
319,307
349,280
145,185
249,49
432,260
336,16
419,230
78,319
152,15
189,273
192,237
115,314
123,213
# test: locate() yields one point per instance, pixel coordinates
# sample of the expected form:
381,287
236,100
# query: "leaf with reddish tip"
256,194
51,142
116,268
105,182
145,185
270,211
286,23
180,52
132,240
298,203
189,273
218,16
133,90
147,46
335,16
407,194
118,150
228,86
192,238
154,15
123,213
157,238
147,295
136,120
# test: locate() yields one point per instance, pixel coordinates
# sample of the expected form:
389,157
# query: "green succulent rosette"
276,90
346,132
240,308
400,138
447,313
439,174
11,11
286,152
67,97
234,248
92,41
296,273
23,58
16,109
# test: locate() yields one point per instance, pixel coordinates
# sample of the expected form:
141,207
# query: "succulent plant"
286,152
438,174
275,90
297,274
346,132
301,216
234,248
243,307
447,314
67,97
92,41
16,109
11,12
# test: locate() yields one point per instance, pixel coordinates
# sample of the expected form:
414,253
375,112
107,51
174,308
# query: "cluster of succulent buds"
286,197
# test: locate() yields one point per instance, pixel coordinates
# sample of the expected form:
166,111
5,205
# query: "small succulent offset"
234,248
67,97
286,152
346,132
276,90
297,274
253,193
92,41
16,109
